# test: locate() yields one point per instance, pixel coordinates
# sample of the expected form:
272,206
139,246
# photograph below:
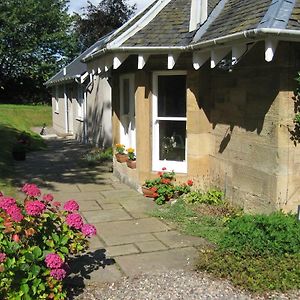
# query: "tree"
97,21
35,41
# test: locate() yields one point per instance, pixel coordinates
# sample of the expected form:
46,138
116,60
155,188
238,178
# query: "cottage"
206,88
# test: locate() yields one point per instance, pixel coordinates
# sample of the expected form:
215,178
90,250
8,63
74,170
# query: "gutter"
252,35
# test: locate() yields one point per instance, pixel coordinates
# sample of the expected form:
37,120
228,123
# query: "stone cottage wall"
238,127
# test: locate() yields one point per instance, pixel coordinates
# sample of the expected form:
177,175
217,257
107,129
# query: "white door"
127,111
169,121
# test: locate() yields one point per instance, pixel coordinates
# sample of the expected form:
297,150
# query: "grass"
196,219
273,265
15,119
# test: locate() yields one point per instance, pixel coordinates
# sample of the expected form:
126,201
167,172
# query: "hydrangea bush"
36,240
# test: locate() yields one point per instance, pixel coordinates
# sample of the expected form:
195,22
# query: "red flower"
155,195
166,181
190,182
164,168
153,189
16,238
160,173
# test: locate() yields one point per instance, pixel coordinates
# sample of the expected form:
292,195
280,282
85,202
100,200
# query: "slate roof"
294,22
169,27
76,67
237,15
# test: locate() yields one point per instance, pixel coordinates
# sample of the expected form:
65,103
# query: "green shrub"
213,196
257,274
97,156
257,235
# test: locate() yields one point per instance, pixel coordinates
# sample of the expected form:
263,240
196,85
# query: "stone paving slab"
110,205
106,215
123,228
114,240
89,205
174,239
92,187
78,196
151,246
121,250
181,258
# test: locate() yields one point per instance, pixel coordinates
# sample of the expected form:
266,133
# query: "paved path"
129,241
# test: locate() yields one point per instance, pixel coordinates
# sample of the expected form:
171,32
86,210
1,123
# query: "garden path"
129,241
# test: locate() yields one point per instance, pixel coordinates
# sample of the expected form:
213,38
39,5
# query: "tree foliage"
35,41
97,21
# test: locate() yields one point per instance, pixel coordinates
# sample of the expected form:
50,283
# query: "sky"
75,5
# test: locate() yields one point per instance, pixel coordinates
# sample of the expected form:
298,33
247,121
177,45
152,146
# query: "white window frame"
56,98
80,103
157,164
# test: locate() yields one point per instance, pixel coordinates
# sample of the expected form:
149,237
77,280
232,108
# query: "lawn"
15,119
260,253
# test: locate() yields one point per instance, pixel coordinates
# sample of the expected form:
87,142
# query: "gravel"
174,285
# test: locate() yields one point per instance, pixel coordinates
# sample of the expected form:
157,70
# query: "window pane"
172,96
172,140
126,96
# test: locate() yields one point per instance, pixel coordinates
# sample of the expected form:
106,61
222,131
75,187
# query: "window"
169,121
80,101
56,98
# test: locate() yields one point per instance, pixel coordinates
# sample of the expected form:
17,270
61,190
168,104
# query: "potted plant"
131,162
163,188
19,151
121,156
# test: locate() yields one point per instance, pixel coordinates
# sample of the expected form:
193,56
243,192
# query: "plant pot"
121,157
148,192
19,155
131,164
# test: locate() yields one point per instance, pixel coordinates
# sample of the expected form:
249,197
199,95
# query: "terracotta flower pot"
148,192
121,157
131,164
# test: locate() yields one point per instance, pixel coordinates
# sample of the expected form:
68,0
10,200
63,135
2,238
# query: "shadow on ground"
60,164
81,268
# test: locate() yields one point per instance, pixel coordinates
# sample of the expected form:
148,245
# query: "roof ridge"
211,18
278,14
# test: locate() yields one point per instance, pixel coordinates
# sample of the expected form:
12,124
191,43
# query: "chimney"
198,13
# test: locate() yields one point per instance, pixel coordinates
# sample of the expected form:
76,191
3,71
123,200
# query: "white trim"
129,138
80,103
56,99
157,165
66,110
140,24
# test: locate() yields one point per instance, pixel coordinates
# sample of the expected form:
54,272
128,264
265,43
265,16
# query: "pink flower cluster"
71,205
31,190
34,208
74,220
2,257
48,198
56,264
88,230
9,205
58,274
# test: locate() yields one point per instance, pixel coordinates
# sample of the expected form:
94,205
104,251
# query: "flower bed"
36,242
163,188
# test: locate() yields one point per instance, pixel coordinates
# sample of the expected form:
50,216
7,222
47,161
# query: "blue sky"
75,5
